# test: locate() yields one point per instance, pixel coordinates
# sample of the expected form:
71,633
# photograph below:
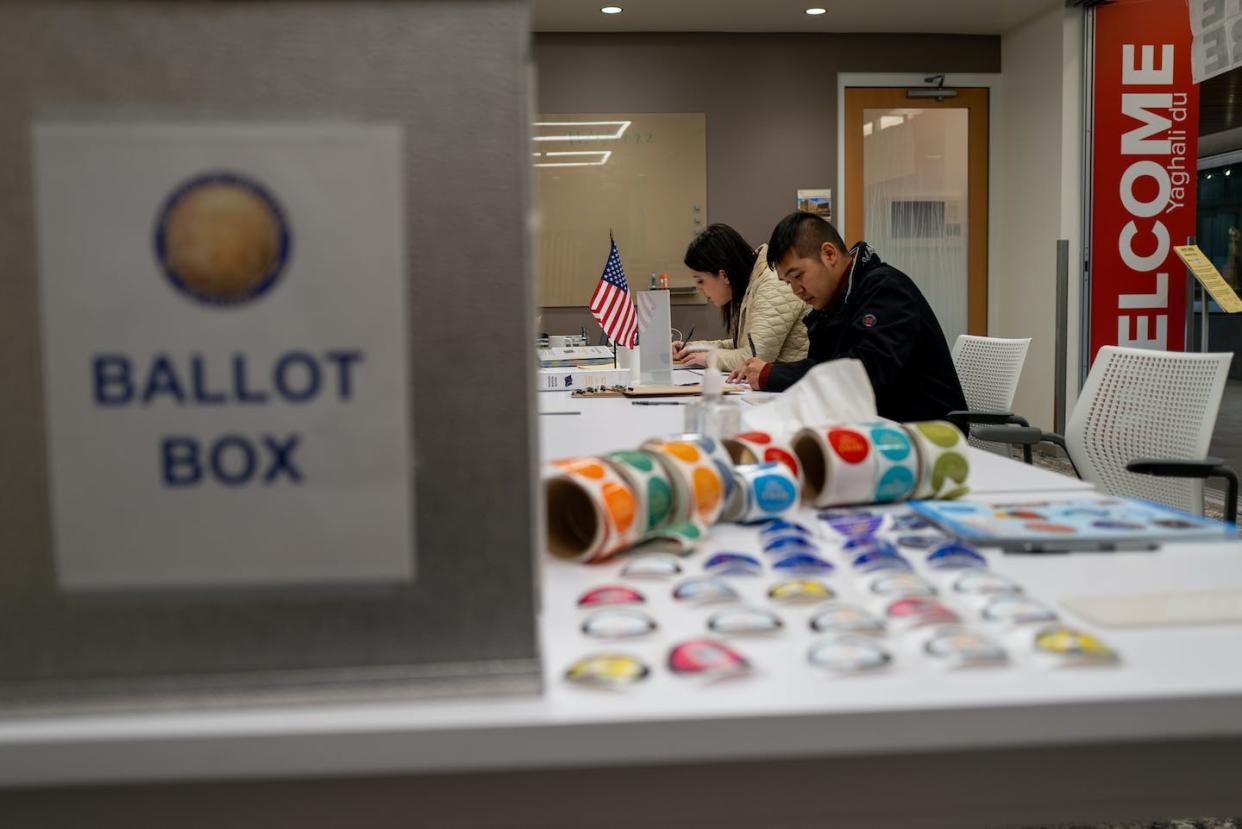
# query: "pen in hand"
751,340
689,337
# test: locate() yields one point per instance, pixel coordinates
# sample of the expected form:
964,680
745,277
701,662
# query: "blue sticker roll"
771,488
897,463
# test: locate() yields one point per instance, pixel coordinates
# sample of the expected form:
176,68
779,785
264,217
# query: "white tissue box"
580,377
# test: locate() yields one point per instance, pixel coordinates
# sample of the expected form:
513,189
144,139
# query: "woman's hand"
694,359
678,345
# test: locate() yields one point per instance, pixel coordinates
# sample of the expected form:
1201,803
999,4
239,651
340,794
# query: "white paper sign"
224,344
1217,29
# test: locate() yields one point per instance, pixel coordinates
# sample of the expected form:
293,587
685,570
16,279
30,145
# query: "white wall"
1039,132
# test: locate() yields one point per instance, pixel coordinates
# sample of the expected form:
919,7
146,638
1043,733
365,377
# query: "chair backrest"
1146,404
989,368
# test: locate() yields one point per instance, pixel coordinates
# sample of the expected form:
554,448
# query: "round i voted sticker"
790,544
909,522
847,654
961,648
868,544
953,556
1073,645
733,564
1016,610
985,583
607,670
706,657
618,623
917,611
880,560
844,618
855,526
803,564
652,566
781,526
901,583
610,595
800,591
744,621
704,591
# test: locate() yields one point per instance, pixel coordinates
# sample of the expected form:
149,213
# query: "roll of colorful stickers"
838,465
771,491
735,505
696,479
943,467
896,461
715,451
649,482
591,511
679,538
761,447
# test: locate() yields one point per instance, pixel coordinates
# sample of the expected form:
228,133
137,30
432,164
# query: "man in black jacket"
862,309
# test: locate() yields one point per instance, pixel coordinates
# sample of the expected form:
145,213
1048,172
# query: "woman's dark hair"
721,248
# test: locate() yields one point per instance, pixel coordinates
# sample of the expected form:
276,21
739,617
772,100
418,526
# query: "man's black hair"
804,233
721,248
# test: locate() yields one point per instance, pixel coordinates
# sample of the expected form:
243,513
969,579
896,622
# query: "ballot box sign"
224,351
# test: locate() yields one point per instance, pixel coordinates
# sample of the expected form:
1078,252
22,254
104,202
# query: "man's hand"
748,372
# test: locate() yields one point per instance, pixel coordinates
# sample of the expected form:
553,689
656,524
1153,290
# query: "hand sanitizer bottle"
712,414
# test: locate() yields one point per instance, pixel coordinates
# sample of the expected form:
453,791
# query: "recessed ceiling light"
816,11
612,9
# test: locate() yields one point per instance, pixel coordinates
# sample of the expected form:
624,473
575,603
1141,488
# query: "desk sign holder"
1203,270
655,333
243,451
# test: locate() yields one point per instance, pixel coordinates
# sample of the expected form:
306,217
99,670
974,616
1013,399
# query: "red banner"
1144,149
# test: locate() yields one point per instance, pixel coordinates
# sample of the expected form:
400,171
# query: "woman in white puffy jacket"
754,302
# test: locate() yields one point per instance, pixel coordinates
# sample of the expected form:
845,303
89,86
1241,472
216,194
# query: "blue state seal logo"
222,239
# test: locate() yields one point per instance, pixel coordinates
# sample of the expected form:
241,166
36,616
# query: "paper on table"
838,391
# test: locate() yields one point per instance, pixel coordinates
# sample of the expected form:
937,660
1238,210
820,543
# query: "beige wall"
1040,177
771,105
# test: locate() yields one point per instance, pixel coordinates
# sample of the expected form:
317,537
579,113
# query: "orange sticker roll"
697,478
592,513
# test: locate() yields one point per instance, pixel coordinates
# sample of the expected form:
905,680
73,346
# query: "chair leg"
1231,493
1026,453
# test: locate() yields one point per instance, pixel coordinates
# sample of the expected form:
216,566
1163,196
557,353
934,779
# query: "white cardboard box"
568,379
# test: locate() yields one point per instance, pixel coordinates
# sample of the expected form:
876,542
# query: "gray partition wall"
453,74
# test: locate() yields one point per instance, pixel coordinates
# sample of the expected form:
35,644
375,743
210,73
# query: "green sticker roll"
649,481
944,466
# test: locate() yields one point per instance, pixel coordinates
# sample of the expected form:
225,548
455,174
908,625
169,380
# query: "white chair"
1149,412
989,368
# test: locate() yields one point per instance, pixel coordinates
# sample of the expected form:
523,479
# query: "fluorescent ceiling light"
621,127
867,128
612,9
887,121
601,158
816,11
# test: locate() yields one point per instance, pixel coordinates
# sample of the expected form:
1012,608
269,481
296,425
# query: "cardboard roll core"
814,466
572,521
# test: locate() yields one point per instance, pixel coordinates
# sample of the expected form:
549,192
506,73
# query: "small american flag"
611,303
